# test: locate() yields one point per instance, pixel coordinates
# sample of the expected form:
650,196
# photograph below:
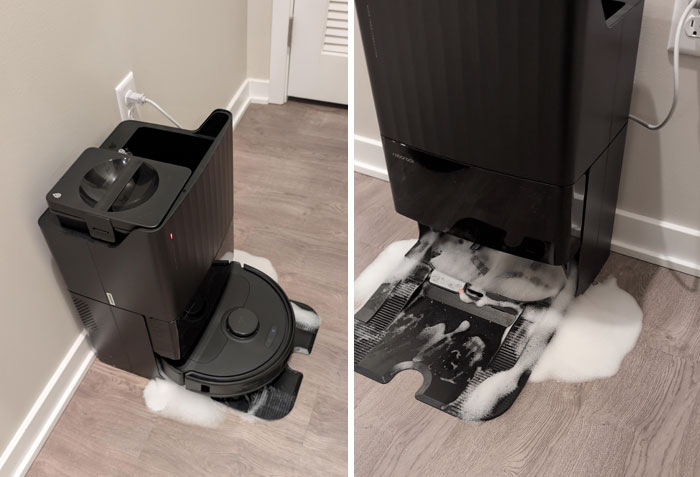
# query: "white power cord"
133,97
676,60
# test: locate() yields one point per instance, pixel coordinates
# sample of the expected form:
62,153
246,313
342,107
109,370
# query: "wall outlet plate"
689,44
125,85
692,26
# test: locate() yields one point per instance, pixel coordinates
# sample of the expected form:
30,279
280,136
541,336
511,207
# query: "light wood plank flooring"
290,168
643,421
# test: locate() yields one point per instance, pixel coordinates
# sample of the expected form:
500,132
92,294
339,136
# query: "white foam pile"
245,258
592,333
597,331
591,339
173,401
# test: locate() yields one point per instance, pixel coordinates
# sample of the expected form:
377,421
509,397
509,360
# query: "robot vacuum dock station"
503,125
135,226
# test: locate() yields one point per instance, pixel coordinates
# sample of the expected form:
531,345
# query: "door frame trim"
282,13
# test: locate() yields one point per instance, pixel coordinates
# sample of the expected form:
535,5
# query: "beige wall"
259,29
59,64
661,172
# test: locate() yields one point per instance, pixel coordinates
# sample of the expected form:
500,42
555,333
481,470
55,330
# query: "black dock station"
503,124
135,226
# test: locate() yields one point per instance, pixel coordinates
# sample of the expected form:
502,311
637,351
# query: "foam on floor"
574,340
481,400
597,331
571,340
173,401
389,263
245,258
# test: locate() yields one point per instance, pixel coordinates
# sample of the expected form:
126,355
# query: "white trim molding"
259,91
251,91
655,241
28,439
369,157
282,12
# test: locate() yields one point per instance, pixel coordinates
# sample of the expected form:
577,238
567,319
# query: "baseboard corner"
250,91
47,409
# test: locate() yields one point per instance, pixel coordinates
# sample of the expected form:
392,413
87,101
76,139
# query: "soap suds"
436,334
173,401
484,300
594,332
598,330
391,265
497,272
380,270
245,258
306,319
259,399
476,402
475,347
591,339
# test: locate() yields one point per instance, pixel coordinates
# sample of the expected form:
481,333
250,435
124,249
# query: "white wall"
659,204
59,64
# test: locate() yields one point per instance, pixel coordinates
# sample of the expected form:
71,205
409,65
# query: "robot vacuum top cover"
247,342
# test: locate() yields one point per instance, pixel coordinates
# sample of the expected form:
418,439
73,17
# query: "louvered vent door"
318,64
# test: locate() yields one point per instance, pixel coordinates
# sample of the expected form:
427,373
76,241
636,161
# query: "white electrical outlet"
690,34
692,26
126,112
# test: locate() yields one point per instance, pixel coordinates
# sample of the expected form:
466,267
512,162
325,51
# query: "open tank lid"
111,190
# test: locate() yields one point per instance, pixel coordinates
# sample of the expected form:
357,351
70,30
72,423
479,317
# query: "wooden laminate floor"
643,421
290,168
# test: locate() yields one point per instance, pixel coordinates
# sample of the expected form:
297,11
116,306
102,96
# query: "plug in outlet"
122,88
690,36
692,25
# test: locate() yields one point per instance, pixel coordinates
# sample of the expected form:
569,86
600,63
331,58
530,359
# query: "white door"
318,60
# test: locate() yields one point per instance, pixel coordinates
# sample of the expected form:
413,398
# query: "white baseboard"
369,158
28,439
662,243
259,91
250,91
